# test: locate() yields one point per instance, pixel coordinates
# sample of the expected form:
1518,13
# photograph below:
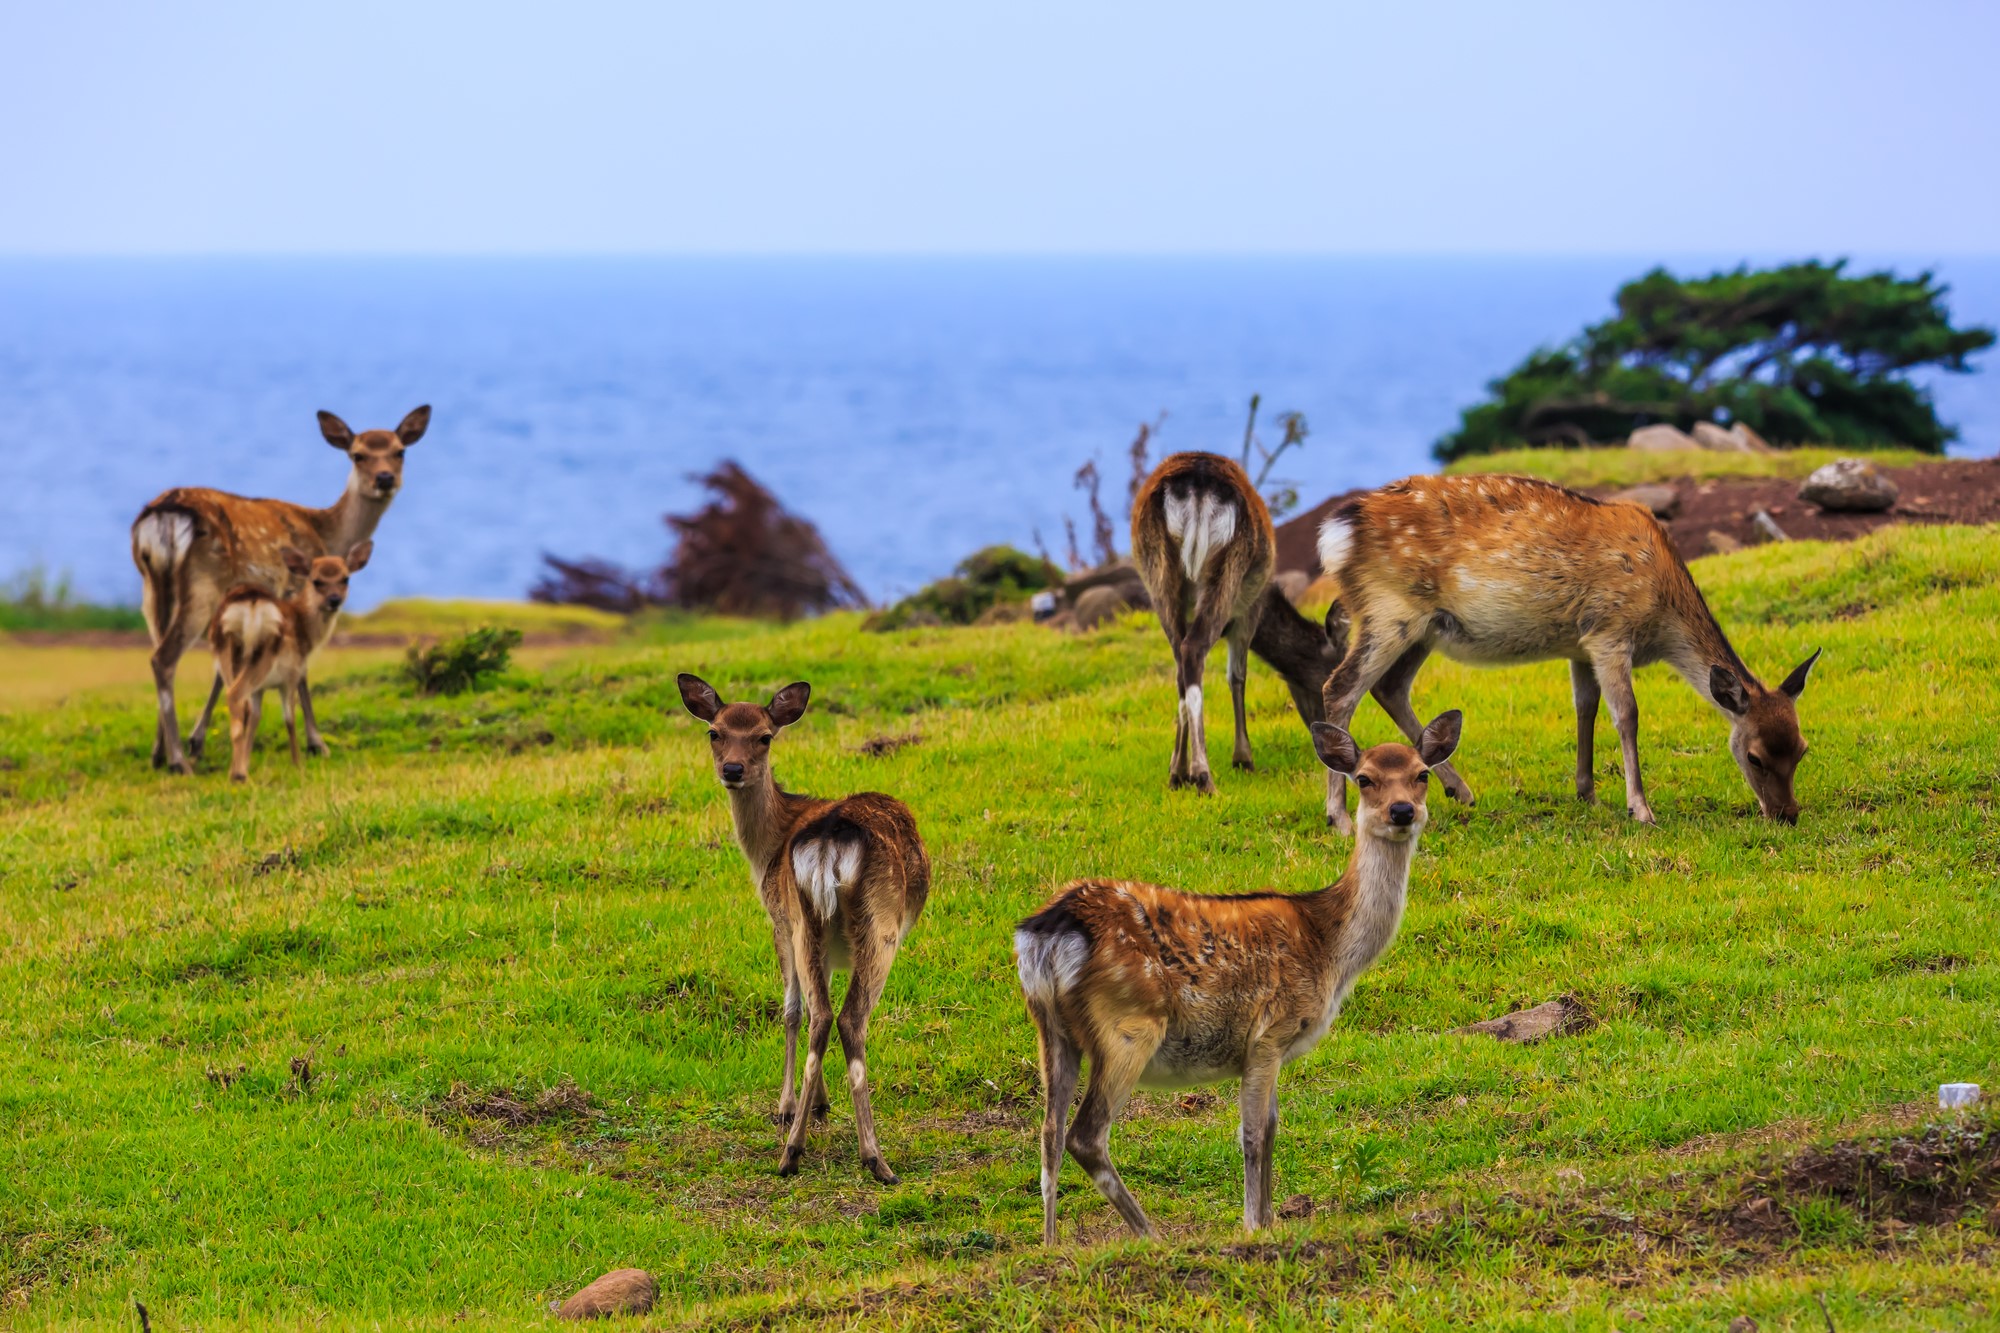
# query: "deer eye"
763,740
1756,763
1424,777
715,735
1364,782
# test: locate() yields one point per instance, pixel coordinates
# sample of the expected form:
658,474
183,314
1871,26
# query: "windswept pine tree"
1800,354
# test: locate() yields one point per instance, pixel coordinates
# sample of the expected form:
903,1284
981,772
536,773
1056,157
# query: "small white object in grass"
1957,1094
1042,604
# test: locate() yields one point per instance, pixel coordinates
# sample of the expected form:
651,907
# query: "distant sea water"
915,409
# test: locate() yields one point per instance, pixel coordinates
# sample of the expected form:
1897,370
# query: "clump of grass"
984,579
34,600
463,663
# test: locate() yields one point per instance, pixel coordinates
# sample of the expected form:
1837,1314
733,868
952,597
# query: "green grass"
32,600
535,885
1630,467
417,617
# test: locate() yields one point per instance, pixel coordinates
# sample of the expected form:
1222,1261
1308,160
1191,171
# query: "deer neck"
313,625
1359,916
762,825
353,517
1698,644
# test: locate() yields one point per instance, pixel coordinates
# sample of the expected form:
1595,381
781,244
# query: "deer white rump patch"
1336,539
252,624
162,539
822,867
1202,524
1049,964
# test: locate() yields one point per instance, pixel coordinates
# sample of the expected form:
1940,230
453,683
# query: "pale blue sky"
623,126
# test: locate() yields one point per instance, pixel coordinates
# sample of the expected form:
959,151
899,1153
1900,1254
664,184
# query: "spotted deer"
842,881
1497,570
1203,542
261,642
1158,988
192,545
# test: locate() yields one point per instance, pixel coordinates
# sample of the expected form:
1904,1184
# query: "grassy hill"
481,1005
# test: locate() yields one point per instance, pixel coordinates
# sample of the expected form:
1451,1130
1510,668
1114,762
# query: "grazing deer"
192,545
842,881
260,642
1165,989
1203,543
1497,570
1305,655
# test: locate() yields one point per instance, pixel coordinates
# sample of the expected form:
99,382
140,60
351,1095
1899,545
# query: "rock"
1663,501
1560,1017
1768,526
1660,439
1298,1206
1293,583
1721,543
621,1291
1737,439
1743,1323
1849,485
1101,605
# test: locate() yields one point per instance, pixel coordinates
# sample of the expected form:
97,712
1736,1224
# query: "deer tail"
161,539
1201,522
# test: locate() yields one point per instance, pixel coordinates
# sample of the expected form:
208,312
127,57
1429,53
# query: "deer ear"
1795,684
1335,748
789,704
699,696
1726,688
295,560
1440,738
357,556
414,425
336,431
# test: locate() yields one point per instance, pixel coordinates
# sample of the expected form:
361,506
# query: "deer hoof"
788,1163
1643,813
880,1170
1246,765
1342,823
316,745
239,777
182,767
195,745
1203,783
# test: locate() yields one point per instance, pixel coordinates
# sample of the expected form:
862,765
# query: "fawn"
260,642
1164,989
1498,570
842,881
192,545
1204,545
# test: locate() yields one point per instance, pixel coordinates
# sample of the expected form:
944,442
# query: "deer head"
377,454
1393,779
325,578
1764,733
740,734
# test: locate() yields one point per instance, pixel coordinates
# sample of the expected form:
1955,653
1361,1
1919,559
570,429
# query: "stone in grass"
621,1291
1743,1323
1663,501
1560,1017
1297,1207
1849,485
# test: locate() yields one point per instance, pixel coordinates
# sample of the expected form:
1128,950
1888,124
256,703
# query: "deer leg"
1115,1066
167,752
1173,622
198,738
795,1008
1257,1107
809,959
1370,654
1393,693
1192,664
1061,1061
1239,675
1583,686
872,958
288,701
1614,675
242,711
315,743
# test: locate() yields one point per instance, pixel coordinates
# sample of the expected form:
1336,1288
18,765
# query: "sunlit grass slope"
1630,467
255,1038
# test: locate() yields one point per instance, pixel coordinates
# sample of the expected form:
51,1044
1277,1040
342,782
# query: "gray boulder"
1849,485
1663,501
1660,439
1737,439
621,1291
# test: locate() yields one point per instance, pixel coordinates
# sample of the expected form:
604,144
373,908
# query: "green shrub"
982,580
464,663
31,600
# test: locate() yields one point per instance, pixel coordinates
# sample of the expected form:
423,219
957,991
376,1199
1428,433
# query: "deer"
1155,987
260,641
1496,570
1304,655
842,881
193,545
1203,543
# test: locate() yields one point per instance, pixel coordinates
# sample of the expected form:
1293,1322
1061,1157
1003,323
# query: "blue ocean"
915,409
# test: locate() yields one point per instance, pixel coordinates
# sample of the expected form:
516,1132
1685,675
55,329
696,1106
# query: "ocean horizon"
914,408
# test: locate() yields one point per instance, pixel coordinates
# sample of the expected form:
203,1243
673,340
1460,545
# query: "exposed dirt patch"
1958,490
490,1113
877,746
